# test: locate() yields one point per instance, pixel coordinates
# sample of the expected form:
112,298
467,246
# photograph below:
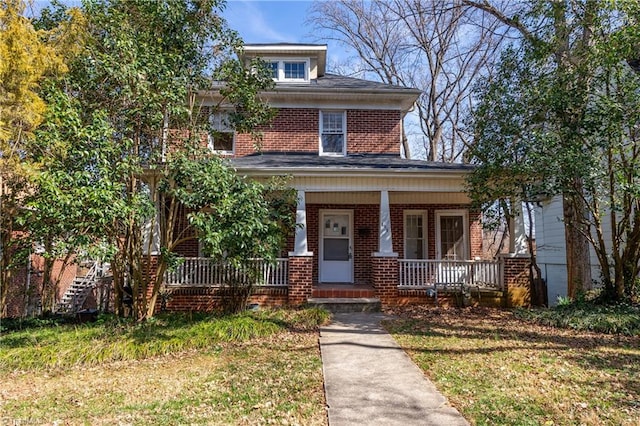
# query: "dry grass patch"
498,369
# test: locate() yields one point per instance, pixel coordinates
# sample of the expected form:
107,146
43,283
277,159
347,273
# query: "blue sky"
269,21
276,21
262,21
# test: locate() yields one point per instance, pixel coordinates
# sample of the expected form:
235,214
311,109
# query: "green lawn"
261,368
500,370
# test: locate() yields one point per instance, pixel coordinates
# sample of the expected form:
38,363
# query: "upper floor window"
295,70
333,133
290,70
273,66
221,134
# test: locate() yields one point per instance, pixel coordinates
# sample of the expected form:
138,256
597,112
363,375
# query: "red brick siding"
16,293
374,132
384,271
297,129
516,271
300,283
475,234
293,129
207,299
190,247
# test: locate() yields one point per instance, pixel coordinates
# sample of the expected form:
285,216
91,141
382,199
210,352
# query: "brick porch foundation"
384,274
300,279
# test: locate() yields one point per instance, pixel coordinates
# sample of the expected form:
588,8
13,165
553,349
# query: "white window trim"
425,239
210,142
465,233
281,78
344,130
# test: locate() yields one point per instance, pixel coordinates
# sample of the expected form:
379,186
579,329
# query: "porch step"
346,304
340,292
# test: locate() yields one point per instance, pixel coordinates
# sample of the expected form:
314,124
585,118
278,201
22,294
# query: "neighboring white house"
551,248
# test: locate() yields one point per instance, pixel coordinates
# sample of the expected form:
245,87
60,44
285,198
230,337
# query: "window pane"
452,237
220,121
295,70
414,239
332,143
336,249
222,141
332,122
274,69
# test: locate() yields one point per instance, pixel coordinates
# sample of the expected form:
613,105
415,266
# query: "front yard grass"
498,369
259,368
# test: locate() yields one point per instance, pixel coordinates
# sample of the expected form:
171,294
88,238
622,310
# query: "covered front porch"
359,245
418,281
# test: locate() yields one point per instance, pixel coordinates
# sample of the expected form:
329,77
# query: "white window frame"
221,128
465,231
280,72
344,133
425,239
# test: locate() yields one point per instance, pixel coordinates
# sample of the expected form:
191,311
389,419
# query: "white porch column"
300,247
385,242
517,235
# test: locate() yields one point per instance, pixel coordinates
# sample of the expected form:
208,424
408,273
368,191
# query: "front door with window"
336,246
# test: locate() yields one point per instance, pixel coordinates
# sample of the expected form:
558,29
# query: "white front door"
336,246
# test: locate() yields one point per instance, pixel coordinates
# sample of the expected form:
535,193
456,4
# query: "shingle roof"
298,160
340,82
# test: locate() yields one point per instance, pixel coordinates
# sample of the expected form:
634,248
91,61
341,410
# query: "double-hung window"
415,237
333,133
221,134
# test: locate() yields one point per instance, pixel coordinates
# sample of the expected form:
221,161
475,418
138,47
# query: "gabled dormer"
290,63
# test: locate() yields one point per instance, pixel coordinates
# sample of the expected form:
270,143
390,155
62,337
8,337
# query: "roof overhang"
329,179
310,97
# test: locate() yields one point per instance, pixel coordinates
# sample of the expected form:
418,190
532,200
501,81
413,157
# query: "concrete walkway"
369,380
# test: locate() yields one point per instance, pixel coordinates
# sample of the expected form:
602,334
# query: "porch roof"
281,162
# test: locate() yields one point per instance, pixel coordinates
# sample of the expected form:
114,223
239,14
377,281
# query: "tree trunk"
577,247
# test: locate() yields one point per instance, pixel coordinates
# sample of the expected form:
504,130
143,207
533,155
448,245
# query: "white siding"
550,247
551,251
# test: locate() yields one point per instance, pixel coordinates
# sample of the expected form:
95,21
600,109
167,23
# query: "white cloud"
250,20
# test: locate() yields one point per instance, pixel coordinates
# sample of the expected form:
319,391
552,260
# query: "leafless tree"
438,46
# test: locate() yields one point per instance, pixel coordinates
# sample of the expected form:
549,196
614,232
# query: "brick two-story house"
370,222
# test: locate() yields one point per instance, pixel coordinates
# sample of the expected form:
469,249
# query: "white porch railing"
417,274
204,271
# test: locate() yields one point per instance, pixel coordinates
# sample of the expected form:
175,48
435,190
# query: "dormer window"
273,66
295,70
290,70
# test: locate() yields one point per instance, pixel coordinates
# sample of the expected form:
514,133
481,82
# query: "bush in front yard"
588,315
